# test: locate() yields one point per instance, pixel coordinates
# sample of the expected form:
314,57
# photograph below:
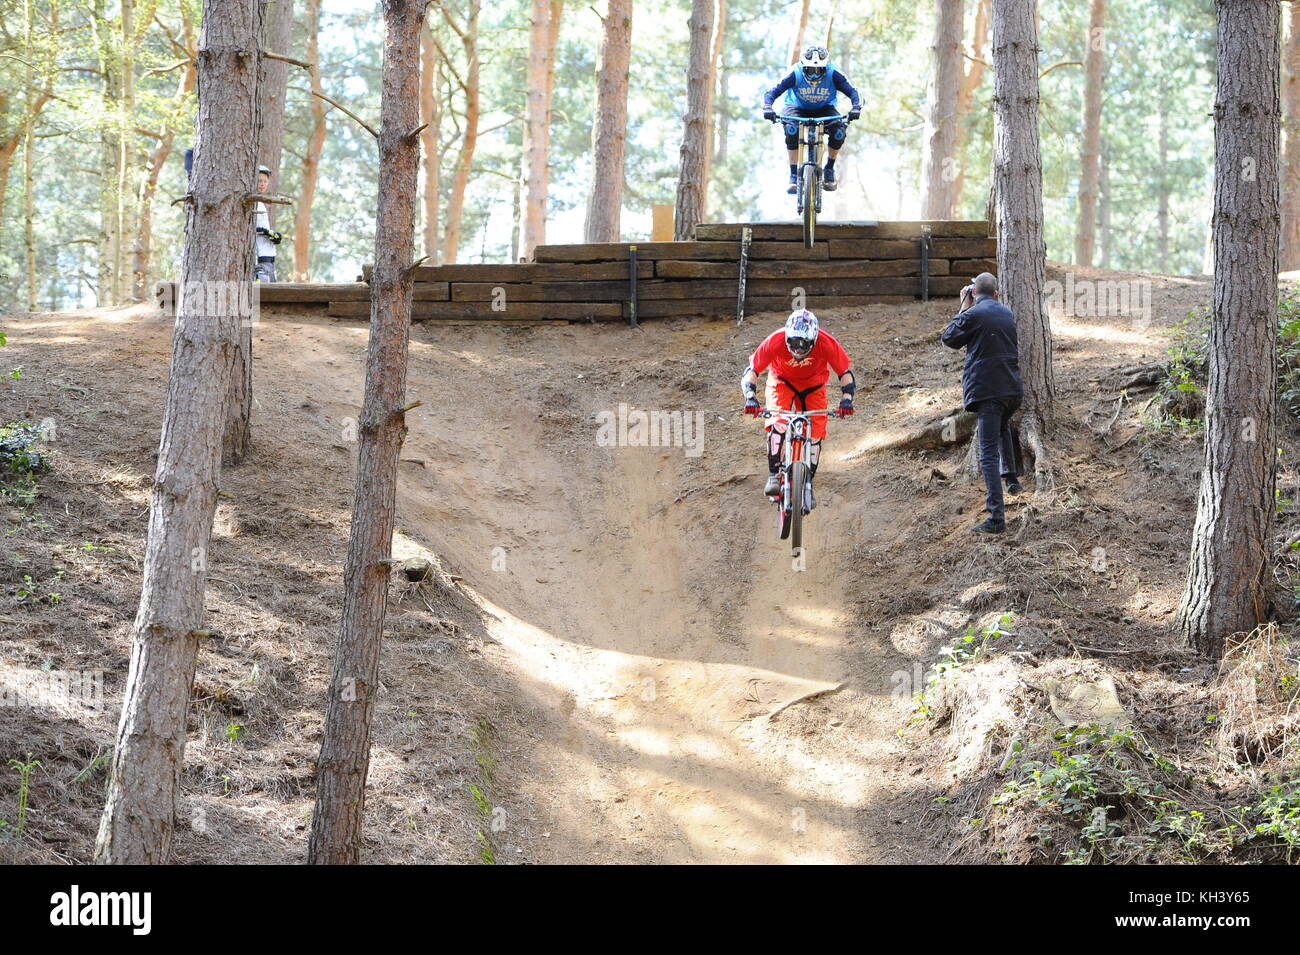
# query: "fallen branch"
827,691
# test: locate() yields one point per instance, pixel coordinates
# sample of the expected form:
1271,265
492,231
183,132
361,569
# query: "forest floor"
616,661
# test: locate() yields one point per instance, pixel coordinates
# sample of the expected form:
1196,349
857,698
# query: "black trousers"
997,450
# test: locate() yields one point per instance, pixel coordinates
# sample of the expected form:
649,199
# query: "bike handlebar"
787,413
810,120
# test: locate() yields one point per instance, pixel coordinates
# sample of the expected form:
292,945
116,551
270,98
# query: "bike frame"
810,142
795,443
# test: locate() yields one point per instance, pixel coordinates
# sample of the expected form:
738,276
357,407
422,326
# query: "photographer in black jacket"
991,387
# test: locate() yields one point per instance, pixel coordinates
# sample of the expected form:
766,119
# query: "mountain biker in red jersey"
798,360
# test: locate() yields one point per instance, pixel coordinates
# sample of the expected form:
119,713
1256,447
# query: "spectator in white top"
266,239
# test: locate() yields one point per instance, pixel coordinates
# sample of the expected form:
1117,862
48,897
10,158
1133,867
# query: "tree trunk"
710,111
1018,186
1230,566
939,159
1103,216
431,113
542,36
345,749
311,155
138,819
106,277
1291,164
800,26
268,133
1094,54
690,181
609,132
124,156
1163,186
142,253
277,24
468,35
972,79
29,163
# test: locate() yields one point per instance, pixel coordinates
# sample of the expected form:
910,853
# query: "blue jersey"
802,93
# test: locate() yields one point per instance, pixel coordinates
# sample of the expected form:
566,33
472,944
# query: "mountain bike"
796,483
808,195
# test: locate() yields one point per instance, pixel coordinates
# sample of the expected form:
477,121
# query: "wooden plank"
846,269
617,251
285,293
842,286
906,249
792,231
972,267
771,269
788,250
674,269
527,272
725,308
594,311
590,291
481,322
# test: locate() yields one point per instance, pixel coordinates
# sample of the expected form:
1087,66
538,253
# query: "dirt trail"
649,626
642,593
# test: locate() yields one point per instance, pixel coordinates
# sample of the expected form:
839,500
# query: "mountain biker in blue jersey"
811,89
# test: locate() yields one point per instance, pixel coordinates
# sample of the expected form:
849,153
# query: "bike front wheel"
798,488
808,197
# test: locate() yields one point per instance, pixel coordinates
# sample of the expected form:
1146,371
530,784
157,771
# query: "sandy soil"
642,624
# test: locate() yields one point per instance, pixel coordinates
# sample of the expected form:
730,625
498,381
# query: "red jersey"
827,355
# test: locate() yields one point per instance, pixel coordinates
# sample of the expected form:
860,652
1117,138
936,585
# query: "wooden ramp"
851,263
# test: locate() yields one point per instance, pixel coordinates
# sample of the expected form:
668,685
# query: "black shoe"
794,184
990,527
773,486
1015,487
828,180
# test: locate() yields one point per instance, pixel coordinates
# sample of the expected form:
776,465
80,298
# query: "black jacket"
987,330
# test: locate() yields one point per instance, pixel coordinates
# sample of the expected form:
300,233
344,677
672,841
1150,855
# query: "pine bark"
972,79
710,109
138,820
1094,55
431,115
939,159
542,36
277,23
311,155
800,28
690,182
29,166
469,84
1018,197
1291,161
269,135
345,749
1229,569
142,254
609,133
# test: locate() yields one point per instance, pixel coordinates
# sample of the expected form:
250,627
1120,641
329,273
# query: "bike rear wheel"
808,196
798,488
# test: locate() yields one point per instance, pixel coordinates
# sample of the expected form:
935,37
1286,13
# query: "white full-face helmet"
801,333
814,62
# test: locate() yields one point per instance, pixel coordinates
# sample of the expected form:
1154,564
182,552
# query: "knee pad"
837,133
792,137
